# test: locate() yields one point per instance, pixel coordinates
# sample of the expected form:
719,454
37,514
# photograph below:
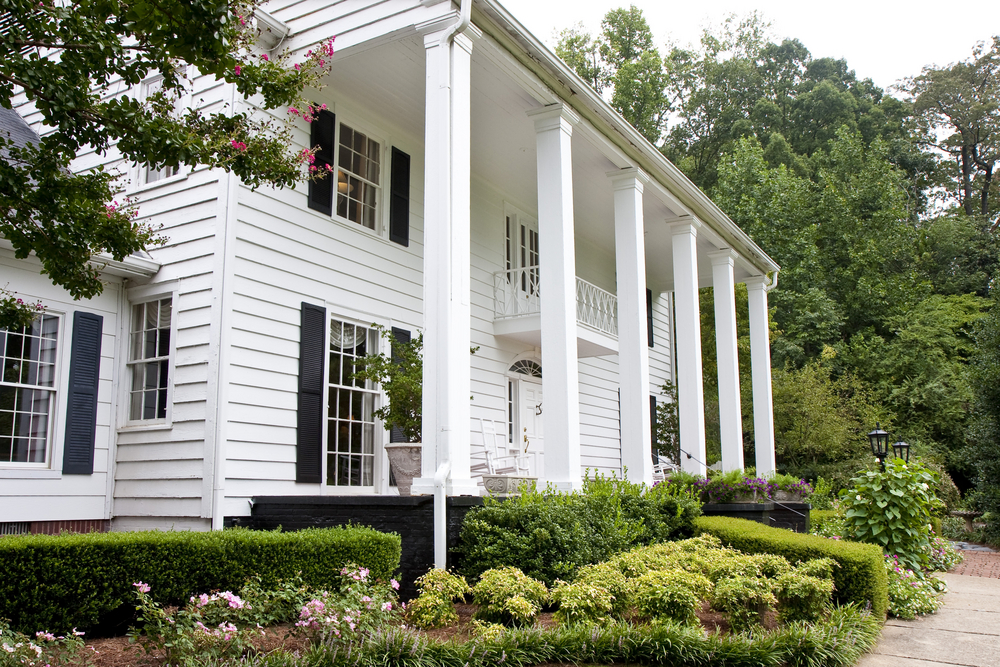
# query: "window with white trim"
359,167
146,173
27,391
351,424
149,359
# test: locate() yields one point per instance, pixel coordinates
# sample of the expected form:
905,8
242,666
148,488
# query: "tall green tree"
71,60
623,63
985,450
961,104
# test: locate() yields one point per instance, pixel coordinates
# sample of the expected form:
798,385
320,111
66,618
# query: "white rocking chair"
496,460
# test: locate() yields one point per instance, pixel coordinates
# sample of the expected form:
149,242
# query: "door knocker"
538,409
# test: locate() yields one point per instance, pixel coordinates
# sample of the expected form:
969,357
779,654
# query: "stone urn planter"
788,496
752,497
404,460
504,486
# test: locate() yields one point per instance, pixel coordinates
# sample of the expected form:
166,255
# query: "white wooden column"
690,392
760,361
447,250
557,275
730,412
633,351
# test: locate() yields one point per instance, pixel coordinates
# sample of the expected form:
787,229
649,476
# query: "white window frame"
134,297
140,173
380,465
57,406
381,230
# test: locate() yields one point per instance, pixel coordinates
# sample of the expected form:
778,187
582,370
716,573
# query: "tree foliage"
78,64
961,105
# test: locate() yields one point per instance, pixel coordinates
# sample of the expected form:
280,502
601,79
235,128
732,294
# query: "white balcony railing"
518,292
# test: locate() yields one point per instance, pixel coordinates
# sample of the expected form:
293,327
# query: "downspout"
773,282
441,515
444,470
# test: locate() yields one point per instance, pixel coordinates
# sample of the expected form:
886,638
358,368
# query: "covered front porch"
592,226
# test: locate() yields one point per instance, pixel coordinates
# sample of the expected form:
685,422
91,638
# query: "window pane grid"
358,177
149,359
28,358
351,404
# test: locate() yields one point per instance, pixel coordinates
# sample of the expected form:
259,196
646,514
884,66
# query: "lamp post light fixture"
902,451
879,442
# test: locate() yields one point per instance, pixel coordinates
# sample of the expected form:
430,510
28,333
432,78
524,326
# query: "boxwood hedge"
860,577
57,582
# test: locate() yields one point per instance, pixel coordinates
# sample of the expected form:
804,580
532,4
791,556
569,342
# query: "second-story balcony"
517,309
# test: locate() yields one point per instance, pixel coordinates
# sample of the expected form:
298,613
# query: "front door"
530,418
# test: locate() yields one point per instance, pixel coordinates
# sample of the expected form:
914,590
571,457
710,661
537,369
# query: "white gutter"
133,266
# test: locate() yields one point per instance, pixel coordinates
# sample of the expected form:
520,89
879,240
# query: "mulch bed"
979,564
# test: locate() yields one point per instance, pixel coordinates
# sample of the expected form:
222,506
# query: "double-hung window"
27,391
351,404
147,174
358,187
149,359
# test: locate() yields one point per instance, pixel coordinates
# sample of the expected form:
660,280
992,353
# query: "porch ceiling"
385,85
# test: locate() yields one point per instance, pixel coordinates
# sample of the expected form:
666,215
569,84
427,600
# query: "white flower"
858,497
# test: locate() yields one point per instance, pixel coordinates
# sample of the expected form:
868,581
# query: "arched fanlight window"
527,367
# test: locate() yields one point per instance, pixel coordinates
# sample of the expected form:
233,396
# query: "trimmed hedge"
55,583
860,579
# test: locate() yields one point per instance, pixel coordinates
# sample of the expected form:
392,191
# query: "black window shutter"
399,198
81,403
398,336
322,134
652,425
649,317
312,363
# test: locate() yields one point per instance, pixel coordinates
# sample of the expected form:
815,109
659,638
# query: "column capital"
757,283
554,116
628,178
685,224
723,256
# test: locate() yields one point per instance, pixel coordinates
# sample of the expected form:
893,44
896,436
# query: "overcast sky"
881,40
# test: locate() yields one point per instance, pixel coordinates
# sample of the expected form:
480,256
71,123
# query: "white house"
485,195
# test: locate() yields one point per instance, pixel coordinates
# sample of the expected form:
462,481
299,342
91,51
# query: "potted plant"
401,376
788,488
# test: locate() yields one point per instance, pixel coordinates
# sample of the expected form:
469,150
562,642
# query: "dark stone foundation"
411,517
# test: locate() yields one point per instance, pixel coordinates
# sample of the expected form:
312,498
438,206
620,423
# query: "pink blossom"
143,588
297,66
387,606
322,63
238,69
293,111
264,56
394,584
47,636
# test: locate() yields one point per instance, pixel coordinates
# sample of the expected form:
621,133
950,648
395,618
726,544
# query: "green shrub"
671,594
609,576
434,607
59,582
508,596
744,599
821,568
581,602
893,510
431,611
550,535
802,597
859,577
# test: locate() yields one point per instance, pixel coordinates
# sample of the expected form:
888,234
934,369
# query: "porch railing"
518,292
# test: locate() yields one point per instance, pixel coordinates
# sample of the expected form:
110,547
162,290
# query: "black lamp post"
879,441
902,450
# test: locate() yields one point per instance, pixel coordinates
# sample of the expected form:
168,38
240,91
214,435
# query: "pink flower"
322,63
265,57
238,69
293,111
387,606
394,584
143,588
297,66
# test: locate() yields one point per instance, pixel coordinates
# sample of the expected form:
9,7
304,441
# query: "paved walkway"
964,632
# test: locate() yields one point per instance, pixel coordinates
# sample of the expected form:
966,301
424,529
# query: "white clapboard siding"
30,494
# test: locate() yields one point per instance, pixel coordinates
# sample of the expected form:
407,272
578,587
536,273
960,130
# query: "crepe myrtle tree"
78,62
